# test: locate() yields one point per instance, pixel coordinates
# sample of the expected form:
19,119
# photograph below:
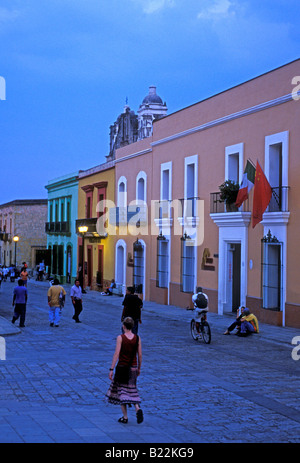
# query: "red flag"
261,196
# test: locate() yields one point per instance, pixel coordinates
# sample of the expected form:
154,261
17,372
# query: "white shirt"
76,292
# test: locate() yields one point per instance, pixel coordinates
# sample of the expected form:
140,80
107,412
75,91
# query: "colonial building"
95,243
22,232
60,227
192,239
133,172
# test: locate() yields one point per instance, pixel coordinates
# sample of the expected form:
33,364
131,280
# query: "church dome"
152,97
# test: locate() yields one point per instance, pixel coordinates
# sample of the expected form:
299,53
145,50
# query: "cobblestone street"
53,380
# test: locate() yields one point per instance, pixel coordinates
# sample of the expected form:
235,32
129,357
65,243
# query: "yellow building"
95,245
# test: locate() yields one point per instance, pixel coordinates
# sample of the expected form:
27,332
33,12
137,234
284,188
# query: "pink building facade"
186,237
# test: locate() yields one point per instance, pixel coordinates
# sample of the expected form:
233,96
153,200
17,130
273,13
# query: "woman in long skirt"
128,353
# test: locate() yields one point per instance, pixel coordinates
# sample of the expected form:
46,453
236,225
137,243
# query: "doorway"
233,277
89,265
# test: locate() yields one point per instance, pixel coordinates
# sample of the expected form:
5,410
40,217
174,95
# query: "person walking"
24,275
132,308
127,359
56,293
19,303
76,296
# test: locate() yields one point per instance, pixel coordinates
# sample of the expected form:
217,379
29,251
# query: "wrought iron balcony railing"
278,202
57,227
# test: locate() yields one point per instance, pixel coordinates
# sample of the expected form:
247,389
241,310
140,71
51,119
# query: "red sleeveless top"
128,348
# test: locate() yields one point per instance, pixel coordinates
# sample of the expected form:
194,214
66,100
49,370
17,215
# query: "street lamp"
82,230
16,239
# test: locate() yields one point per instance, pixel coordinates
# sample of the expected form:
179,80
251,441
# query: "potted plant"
228,194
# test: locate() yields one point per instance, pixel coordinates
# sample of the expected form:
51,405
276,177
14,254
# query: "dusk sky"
69,66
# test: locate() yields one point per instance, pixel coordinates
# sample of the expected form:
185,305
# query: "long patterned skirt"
121,394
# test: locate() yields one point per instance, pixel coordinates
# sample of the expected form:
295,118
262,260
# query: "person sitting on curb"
249,324
108,291
237,323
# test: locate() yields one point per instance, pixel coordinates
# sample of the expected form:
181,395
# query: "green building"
60,227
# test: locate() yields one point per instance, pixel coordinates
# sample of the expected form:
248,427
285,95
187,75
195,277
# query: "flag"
261,196
247,184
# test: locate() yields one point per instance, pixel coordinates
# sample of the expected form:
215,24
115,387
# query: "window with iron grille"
271,273
162,267
138,266
187,282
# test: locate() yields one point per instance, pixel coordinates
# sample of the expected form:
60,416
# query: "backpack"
201,301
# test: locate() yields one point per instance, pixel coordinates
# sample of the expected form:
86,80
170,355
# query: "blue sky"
69,66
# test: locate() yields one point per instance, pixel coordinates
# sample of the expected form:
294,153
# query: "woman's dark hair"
128,323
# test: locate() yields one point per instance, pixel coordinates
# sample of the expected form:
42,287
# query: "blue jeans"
247,327
54,315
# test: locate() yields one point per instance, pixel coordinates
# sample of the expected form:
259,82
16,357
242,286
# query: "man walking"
19,303
55,293
76,296
132,308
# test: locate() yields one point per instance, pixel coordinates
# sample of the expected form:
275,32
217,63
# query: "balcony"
279,200
91,224
57,228
124,215
5,236
278,203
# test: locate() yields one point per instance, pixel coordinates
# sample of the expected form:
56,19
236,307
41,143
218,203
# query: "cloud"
220,9
151,6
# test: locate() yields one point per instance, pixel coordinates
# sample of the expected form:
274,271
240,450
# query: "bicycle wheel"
206,333
194,333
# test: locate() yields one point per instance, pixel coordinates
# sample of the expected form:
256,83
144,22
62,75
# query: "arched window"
122,192
141,187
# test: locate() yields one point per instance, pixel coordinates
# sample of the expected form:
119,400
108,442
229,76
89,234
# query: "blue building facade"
60,227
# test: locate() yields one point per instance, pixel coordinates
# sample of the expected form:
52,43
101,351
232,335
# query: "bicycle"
202,331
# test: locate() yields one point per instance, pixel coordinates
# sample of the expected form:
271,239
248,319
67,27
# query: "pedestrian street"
54,379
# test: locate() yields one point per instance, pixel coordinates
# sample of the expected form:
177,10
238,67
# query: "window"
163,206
89,205
138,266
62,211
276,170
166,181
162,268
234,162
101,197
88,189
122,192
190,186
187,265
141,187
271,272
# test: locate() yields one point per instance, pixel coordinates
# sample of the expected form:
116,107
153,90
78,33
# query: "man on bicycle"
200,301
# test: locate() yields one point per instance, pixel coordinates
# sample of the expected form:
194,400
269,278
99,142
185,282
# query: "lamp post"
82,230
16,239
